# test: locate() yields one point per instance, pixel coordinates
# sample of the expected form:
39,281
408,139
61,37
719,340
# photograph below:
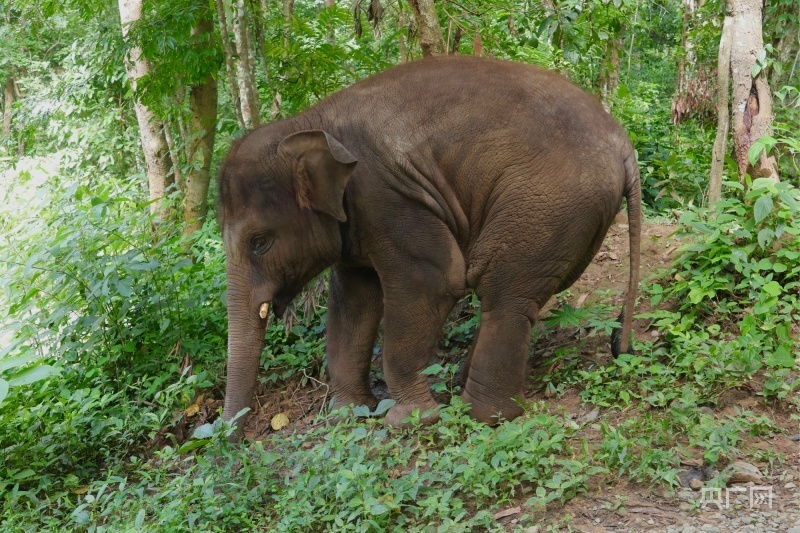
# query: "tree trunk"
402,23
174,157
275,106
200,146
8,102
723,113
246,74
784,46
151,129
752,100
431,37
609,77
230,67
693,91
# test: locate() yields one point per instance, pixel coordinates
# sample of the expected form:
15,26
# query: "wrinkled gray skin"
417,185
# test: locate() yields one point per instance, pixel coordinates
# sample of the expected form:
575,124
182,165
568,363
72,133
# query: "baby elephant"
416,185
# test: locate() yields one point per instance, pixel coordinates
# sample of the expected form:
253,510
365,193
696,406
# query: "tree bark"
723,112
200,146
402,23
609,77
230,67
246,74
151,129
752,100
431,37
8,102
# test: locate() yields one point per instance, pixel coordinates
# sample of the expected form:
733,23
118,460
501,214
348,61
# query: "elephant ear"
322,168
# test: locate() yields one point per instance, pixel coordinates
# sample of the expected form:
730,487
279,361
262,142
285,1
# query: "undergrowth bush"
130,324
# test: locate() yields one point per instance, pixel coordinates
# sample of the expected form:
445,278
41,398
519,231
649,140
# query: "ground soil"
613,504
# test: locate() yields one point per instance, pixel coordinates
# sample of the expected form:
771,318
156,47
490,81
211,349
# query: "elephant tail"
633,195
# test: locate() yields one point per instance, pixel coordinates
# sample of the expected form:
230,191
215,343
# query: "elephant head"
281,205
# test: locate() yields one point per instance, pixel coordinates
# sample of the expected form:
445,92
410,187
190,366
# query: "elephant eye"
260,244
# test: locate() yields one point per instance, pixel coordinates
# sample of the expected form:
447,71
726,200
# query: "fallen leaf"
82,490
279,421
192,410
582,299
507,512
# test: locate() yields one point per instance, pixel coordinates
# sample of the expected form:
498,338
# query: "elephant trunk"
246,327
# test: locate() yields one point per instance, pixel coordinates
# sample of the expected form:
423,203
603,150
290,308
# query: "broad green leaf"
32,375
762,208
196,442
384,406
18,361
773,288
206,431
24,474
433,370
762,144
780,358
3,389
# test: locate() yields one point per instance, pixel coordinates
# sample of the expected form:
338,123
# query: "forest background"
116,116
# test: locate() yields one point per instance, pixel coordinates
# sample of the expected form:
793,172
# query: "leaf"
384,406
773,288
3,389
193,444
765,237
31,375
762,208
206,431
279,421
139,519
378,509
20,360
762,144
781,358
24,474
361,411
433,370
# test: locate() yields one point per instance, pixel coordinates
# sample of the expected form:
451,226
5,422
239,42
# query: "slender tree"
230,67
200,144
10,96
246,66
752,99
723,113
431,37
151,129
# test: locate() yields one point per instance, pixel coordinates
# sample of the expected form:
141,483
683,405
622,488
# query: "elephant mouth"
282,301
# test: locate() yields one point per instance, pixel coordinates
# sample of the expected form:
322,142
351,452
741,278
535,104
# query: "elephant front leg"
495,372
414,319
355,307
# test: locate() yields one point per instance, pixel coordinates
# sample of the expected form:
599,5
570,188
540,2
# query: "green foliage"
128,327
109,329
342,476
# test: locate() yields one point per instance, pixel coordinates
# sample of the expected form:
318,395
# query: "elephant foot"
492,411
343,400
399,412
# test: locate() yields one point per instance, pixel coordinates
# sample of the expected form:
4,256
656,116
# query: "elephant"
416,186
